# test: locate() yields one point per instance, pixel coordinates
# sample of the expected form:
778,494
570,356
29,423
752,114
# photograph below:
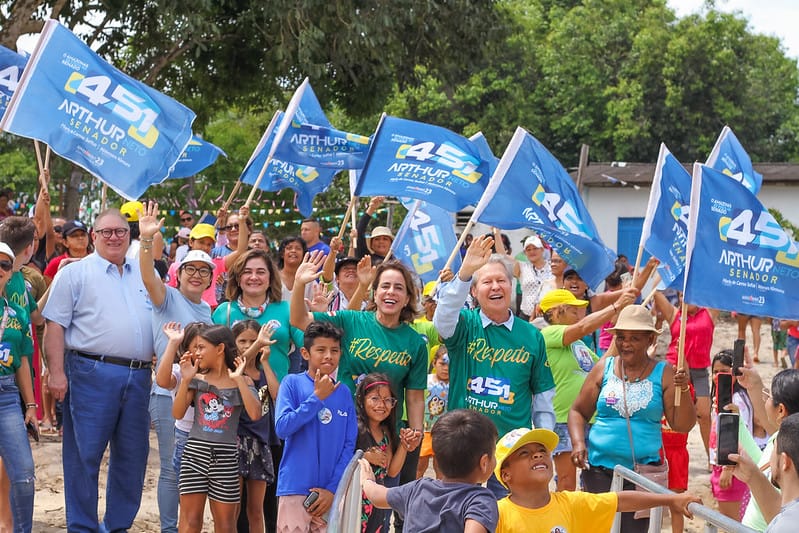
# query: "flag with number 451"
122,131
738,256
425,162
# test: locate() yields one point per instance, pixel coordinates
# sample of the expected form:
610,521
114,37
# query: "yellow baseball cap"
558,297
517,438
130,210
200,231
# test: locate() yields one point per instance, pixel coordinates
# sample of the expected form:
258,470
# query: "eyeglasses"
107,232
766,393
230,227
377,400
186,219
202,271
6,265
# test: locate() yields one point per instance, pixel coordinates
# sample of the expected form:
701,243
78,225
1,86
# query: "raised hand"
336,245
173,331
237,374
149,224
310,267
374,203
323,385
244,211
321,298
188,366
477,255
366,272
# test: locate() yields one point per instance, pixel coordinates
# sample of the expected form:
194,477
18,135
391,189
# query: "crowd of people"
263,371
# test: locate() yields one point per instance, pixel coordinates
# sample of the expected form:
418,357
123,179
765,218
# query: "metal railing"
714,521
345,513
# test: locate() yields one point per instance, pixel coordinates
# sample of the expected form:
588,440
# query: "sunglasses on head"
6,265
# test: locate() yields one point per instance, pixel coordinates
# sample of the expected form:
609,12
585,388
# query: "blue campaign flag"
11,66
483,148
665,230
277,175
531,189
197,156
739,258
426,239
323,147
122,131
729,157
422,161
311,140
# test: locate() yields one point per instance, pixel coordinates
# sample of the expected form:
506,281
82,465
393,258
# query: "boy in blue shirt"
316,417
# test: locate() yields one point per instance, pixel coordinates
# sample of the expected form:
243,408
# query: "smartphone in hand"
727,441
723,390
311,499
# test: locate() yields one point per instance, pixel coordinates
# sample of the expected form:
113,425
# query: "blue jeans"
161,417
105,404
180,444
15,450
792,343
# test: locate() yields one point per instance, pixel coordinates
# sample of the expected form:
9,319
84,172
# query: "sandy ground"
49,515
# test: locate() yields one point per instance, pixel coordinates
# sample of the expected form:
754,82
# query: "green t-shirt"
570,366
285,334
368,346
17,293
429,334
495,371
16,341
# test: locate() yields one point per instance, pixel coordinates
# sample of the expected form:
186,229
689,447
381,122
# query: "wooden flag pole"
47,157
656,280
350,209
458,245
103,197
229,200
638,260
38,155
681,348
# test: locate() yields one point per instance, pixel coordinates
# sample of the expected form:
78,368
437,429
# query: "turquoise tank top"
608,441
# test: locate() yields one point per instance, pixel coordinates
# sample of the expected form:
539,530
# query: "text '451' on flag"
739,258
122,131
425,162
425,240
531,189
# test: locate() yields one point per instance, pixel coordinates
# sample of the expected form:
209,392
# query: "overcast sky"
779,18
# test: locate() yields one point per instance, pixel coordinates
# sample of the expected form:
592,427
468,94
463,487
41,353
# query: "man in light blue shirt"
99,346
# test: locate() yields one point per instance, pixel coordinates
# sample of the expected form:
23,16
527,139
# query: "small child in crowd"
524,466
463,443
256,436
215,382
181,341
376,405
317,419
434,407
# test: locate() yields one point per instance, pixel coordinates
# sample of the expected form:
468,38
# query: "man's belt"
136,364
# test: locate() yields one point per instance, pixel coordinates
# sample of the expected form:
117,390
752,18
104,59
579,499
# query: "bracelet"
29,405
146,239
613,305
685,389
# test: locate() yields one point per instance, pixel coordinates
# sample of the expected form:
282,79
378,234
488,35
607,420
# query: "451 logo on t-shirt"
496,388
6,358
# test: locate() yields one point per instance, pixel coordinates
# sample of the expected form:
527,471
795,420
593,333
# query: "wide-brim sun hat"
634,318
558,297
513,440
379,231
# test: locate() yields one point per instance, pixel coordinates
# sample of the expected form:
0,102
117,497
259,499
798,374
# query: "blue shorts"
564,440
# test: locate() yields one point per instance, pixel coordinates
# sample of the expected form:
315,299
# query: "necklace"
640,374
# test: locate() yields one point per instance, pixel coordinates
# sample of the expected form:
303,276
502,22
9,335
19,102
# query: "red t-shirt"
698,339
52,267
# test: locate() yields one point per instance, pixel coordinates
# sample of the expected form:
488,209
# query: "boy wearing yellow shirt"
524,466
